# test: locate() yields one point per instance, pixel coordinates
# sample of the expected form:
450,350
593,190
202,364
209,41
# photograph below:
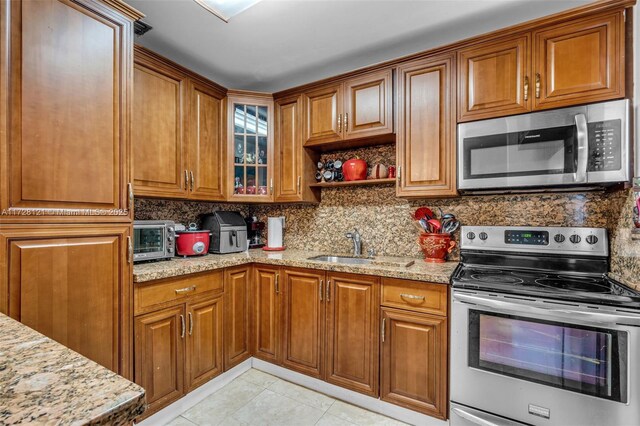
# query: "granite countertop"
394,267
44,382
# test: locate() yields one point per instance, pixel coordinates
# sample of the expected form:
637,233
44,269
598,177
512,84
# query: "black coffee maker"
254,232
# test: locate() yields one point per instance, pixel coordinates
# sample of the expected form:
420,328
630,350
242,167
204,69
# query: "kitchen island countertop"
392,267
44,382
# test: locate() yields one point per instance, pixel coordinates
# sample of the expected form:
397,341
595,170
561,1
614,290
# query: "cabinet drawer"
176,289
415,295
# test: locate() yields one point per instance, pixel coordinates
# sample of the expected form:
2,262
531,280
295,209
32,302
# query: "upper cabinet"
64,135
295,165
579,61
426,151
250,147
571,63
178,130
493,79
356,109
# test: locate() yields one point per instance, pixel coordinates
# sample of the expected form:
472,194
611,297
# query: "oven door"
149,242
544,363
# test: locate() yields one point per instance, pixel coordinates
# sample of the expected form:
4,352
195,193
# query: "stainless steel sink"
342,259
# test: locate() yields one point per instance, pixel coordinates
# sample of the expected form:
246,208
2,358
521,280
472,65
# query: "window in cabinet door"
251,150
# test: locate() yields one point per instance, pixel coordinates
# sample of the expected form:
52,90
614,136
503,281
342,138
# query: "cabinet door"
323,110
294,164
414,361
71,283
494,79
160,163
426,128
250,147
267,308
159,348
64,135
303,321
207,160
580,62
352,332
368,105
204,341
237,322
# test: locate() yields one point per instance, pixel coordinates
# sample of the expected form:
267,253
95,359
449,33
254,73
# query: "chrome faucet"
357,242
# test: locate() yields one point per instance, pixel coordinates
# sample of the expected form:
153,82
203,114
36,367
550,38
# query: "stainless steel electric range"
539,334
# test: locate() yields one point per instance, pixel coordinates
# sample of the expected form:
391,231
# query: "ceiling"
278,44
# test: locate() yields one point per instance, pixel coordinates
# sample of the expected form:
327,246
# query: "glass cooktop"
598,289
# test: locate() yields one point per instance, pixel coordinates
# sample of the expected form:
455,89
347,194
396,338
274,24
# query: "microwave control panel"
605,138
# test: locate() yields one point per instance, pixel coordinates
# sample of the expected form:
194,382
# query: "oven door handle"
473,418
580,175
569,314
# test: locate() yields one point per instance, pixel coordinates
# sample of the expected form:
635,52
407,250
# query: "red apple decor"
354,169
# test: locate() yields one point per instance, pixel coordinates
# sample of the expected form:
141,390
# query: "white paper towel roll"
275,226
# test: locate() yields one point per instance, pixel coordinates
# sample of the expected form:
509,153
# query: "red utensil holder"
436,246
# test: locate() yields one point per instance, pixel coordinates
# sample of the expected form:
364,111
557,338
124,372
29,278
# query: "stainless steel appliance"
539,334
563,148
153,240
228,232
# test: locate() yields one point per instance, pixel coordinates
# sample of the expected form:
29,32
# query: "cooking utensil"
434,225
451,227
423,213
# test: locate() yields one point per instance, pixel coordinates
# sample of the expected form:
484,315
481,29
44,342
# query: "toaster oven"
153,240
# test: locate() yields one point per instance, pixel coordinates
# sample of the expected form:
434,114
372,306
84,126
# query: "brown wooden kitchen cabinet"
303,321
64,136
494,78
160,351
426,150
357,109
294,165
237,315
352,303
71,283
579,62
178,335
178,131
267,308
414,346
570,63
250,147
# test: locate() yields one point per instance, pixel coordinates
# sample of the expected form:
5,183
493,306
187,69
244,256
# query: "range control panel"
562,240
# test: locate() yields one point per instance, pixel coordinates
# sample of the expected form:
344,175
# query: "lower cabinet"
237,298
178,343
267,313
414,358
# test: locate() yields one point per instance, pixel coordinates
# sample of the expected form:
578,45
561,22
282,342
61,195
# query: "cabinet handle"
271,186
339,123
320,289
537,85
411,296
384,322
328,291
192,180
399,172
186,180
129,250
277,283
183,326
185,289
190,323
299,183
130,189
526,87
346,121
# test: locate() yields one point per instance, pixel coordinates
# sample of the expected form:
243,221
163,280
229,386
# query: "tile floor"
257,398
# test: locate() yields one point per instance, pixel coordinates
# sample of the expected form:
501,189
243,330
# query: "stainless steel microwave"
153,240
563,148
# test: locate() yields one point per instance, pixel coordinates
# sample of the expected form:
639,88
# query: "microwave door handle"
580,175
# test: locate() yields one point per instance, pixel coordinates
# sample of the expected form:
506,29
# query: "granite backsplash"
384,220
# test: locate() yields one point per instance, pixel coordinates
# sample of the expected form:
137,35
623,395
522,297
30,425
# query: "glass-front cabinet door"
251,148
